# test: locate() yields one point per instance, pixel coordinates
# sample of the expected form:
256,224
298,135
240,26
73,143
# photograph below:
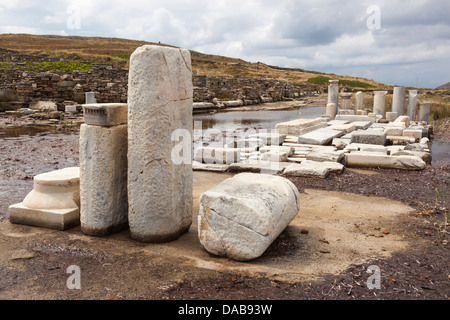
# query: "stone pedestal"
424,112
90,97
398,100
412,104
331,110
333,92
359,101
53,203
103,165
379,103
159,102
345,100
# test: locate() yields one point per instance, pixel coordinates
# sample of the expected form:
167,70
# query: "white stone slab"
308,168
373,160
321,136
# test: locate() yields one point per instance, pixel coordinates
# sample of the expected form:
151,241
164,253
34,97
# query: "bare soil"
347,222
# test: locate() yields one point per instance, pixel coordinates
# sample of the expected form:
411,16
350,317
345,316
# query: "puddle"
31,131
440,152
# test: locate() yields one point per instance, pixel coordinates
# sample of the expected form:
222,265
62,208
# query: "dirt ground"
348,222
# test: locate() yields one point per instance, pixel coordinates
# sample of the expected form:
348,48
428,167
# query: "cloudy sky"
396,42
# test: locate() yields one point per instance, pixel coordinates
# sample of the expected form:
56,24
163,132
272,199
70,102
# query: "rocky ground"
32,266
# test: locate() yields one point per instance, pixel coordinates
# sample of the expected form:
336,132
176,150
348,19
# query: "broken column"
159,103
345,100
331,110
379,103
103,166
240,217
53,203
424,112
333,92
359,100
412,104
398,100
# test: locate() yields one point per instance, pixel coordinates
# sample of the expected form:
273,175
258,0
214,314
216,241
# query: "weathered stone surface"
240,217
398,100
424,112
159,104
331,110
417,134
269,138
300,126
44,106
325,155
412,104
321,136
275,156
308,168
245,143
345,128
391,116
103,179
366,148
359,96
373,160
369,137
53,203
352,118
400,139
198,166
361,125
217,155
287,149
258,166
105,114
403,119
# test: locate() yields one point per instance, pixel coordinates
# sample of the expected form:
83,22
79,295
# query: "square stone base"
59,219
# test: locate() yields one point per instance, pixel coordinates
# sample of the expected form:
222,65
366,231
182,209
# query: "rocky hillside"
117,52
444,86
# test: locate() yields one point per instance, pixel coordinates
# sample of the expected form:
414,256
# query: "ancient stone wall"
111,84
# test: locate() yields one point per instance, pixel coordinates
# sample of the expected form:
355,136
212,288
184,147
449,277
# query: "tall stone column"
398,100
412,104
379,103
359,100
103,169
333,92
424,112
160,95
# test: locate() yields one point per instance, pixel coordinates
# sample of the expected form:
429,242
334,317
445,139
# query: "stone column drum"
331,110
333,92
379,103
160,95
398,100
359,100
424,112
103,169
345,100
412,104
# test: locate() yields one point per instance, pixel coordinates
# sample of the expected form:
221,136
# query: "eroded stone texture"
240,217
159,102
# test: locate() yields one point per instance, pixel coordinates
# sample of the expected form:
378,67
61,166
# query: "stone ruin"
128,177
346,136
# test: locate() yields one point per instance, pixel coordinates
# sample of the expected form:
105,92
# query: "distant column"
359,100
345,100
379,103
424,112
159,103
333,92
398,100
412,104
331,110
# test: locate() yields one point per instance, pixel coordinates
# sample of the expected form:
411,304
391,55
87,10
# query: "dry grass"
117,51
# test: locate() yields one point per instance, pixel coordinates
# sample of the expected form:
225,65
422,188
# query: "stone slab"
372,160
105,114
369,137
308,168
321,136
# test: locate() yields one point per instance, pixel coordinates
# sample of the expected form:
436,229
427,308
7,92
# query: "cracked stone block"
240,217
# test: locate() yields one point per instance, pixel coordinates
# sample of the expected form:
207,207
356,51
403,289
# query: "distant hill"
444,86
117,52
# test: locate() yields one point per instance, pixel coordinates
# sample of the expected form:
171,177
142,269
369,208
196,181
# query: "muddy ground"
347,222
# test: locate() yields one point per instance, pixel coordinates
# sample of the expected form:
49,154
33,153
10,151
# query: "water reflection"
255,119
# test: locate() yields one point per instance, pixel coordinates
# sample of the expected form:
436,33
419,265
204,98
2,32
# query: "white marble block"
159,103
53,203
103,179
240,217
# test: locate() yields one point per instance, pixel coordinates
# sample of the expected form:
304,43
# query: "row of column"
379,104
127,176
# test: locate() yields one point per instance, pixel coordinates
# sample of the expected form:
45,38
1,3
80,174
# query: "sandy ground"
332,231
